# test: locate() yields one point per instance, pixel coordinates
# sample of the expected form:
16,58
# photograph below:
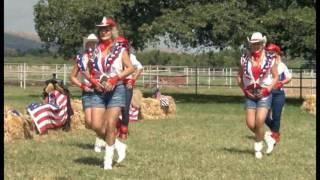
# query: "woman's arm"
275,76
288,75
239,77
128,67
73,78
73,75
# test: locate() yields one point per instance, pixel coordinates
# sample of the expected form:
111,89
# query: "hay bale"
136,100
15,125
309,104
151,109
78,119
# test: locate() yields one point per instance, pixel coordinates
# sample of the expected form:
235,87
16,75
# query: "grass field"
207,139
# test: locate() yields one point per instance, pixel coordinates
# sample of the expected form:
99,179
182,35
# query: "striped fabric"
164,101
51,115
133,114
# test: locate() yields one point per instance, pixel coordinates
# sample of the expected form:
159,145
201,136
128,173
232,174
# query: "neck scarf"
105,44
256,55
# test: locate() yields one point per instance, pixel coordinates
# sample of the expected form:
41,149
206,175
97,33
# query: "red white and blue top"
283,72
82,62
109,65
257,77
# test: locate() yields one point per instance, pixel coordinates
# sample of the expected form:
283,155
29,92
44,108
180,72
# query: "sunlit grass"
208,139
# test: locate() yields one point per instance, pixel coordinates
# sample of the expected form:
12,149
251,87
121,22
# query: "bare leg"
87,117
97,120
111,117
261,115
250,119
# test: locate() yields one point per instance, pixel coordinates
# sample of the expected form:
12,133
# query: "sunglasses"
108,28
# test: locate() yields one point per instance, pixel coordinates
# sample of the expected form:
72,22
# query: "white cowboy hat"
257,37
106,22
90,38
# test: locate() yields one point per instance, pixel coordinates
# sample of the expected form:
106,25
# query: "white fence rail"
24,75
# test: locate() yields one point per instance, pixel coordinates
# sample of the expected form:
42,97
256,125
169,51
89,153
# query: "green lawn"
207,139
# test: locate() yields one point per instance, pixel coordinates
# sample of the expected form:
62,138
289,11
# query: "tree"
293,29
189,23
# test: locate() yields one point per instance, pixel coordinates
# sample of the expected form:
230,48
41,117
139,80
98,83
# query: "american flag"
53,114
133,114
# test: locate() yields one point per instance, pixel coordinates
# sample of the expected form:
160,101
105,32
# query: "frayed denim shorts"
114,98
256,103
86,99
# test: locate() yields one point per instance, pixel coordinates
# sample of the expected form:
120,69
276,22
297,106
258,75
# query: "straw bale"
151,109
136,100
78,119
15,126
309,104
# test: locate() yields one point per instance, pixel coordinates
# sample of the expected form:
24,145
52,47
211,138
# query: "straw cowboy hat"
90,38
106,22
257,37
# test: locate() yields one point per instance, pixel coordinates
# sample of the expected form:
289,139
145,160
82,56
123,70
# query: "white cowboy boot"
99,144
270,144
267,134
108,157
121,150
257,148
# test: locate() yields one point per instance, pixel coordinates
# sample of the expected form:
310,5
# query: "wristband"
130,81
94,81
82,86
265,92
244,91
279,85
113,81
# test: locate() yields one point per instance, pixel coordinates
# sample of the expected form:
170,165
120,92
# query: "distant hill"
21,41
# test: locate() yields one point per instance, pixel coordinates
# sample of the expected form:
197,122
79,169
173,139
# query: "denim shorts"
255,103
114,98
86,99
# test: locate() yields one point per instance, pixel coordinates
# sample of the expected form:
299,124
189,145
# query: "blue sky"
18,15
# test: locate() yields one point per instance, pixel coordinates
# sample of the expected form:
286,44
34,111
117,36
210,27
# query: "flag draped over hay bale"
151,108
77,119
55,111
309,104
16,125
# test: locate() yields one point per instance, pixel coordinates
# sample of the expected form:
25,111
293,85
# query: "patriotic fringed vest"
265,77
82,61
111,64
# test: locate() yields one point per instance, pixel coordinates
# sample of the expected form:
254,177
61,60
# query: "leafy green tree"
293,29
190,23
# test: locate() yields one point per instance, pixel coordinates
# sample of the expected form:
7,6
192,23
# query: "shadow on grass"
83,145
205,98
238,151
93,161
250,137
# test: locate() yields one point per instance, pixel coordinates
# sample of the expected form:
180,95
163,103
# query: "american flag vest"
267,64
102,66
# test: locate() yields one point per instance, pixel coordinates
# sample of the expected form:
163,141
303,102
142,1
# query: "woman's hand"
99,87
248,93
111,83
265,92
130,83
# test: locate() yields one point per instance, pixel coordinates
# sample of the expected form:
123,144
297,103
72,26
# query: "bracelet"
94,81
82,86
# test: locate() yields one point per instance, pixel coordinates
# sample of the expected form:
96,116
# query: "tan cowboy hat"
257,37
90,38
